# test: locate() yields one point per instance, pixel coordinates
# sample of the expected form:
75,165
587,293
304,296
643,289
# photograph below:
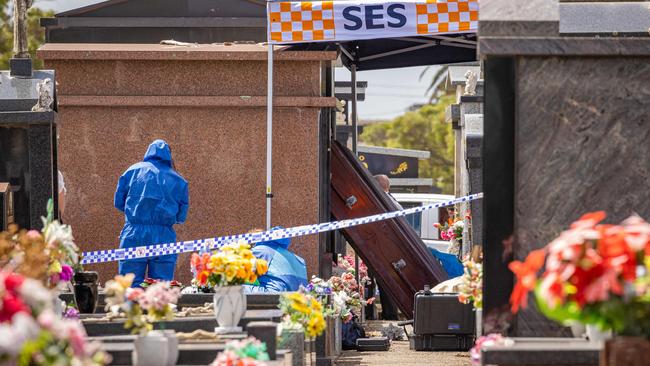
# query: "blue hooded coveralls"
287,271
153,197
449,262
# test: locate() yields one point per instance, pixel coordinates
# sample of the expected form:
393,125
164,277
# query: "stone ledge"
192,101
216,52
564,46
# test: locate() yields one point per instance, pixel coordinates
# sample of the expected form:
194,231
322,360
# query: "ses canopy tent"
372,34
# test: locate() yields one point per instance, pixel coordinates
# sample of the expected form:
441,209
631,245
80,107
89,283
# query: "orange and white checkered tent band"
322,21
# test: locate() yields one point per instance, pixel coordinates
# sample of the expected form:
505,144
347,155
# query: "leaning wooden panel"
390,248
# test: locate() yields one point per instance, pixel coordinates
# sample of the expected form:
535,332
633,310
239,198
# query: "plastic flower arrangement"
142,307
471,287
346,299
247,352
304,311
48,256
150,281
231,265
452,231
32,334
347,264
593,274
486,340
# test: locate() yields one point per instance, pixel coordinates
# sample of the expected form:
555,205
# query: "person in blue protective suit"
450,263
153,197
287,271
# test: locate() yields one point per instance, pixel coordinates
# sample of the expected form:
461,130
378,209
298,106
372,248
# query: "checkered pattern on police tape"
302,21
441,16
207,244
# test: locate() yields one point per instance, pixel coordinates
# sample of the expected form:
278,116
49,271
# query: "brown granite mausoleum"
209,103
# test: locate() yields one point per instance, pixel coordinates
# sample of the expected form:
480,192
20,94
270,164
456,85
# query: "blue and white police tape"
101,256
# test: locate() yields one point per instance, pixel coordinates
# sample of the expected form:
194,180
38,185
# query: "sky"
389,92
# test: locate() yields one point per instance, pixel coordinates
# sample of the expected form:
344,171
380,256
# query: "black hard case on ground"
441,323
373,344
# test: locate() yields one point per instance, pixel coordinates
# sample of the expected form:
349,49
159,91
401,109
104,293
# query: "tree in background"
36,33
424,129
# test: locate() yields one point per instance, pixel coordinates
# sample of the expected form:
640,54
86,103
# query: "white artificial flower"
55,233
35,294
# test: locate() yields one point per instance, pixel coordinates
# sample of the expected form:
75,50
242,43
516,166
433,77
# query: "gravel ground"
400,354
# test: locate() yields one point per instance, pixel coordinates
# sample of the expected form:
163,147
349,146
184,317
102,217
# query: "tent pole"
269,135
353,72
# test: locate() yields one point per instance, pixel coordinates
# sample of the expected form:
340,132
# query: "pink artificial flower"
33,235
133,294
46,319
66,273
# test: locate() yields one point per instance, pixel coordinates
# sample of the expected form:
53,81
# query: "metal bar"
269,135
346,52
397,52
452,39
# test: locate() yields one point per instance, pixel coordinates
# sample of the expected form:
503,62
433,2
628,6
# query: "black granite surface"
543,352
582,135
498,184
189,324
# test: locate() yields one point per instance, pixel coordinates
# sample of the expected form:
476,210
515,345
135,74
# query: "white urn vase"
172,347
147,349
594,334
229,308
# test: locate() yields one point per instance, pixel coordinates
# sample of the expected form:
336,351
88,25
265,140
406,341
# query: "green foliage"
35,38
424,129
625,317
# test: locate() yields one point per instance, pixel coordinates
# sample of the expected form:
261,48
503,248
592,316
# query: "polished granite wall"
582,144
209,103
567,124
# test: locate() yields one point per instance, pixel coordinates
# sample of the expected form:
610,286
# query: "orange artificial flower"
526,274
589,219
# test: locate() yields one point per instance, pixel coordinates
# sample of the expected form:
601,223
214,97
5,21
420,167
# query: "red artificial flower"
526,273
13,282
202,277
11,305
616,252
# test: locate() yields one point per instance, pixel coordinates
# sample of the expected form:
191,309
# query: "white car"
423,222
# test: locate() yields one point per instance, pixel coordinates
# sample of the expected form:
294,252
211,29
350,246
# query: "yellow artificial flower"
125,281
252,277
315,325
230,273
55,267
261,267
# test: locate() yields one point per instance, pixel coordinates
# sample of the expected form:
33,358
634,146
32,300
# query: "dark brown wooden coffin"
390,248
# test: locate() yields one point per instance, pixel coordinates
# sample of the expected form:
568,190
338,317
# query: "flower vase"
85,291
628,351
147,350
229,307
479,322
338,336
58,305
578,329
594,334
293,340
172,347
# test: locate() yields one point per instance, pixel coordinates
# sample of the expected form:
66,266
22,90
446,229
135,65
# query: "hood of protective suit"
159,150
